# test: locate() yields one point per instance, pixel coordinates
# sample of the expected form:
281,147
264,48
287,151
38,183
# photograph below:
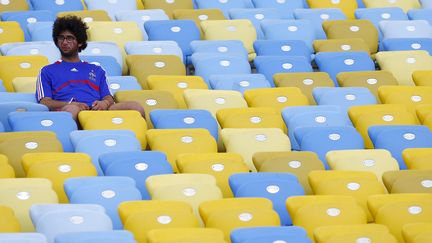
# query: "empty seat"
40,31
142,16
417,232
88,15
420,14
19,5
408,44
11,105
408,181
226,47
111,7
47,49
411,96
168,7
6,170
347,7
286,9
26,17
104,48
317,16
341,45
282,48
238,82
56,6
256,16
9,222
278,98
115,236
405,5
417,158
223,6
117,32
405,29
266,234
121,83
348,233
23,237
164,47
199,15
186,234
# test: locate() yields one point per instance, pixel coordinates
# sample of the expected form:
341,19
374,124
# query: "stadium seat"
285,9
111,7
21,106
104,48
420,14
341,45
20,194
269,234
278,98
168,7
423,112
186,234
116,236
417,232
411,96
6,170
359,232
408,44
47,49
408,181
317,16
199,15
404,5
166,47
23,237
223,6
40,31
299,163
405,29
108,63
417,158
57,6
238,82
18,5
347,7
122,83
17,97
256,16
117,32
282,48
219,165
24,84
426,3
57,219
9,222
275,186
88,15
142,16
226,47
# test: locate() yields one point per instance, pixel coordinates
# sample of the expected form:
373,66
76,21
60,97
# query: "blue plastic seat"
269,65
120,83
336,62
22,238
138,165
2,87
397,138
226,47
173,119
406,29
270,234
40,31
154,48
26,17
285,8
239,82
323,139
115,236
107,191
103,48
8,107
318,16
275,186
44,48
97,142
61,123
282,48
408,44
224,6
57,6
256,15
421,14
111,7
142,16
180,31
56,219
108,63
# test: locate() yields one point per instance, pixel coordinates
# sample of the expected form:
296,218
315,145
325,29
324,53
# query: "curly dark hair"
73,24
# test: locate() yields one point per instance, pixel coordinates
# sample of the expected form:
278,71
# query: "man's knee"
73,109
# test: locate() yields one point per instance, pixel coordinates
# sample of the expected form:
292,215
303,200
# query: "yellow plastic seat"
141,66
377,161
254,117
359,28
389,114
115,120
311,212
348,7
306,82
397,210
408,181
417,232
368,79
423,111
140,217
231,213
6,171
213,100
24,84
21,193
11,32
239,29
199,15
8,221
422,77
219,165
191,235
15,144
354,233
12,67
418,158
402,64
168,6
358,184
299,163
404,5
174,142
248,141
275,97
16,5
428,121
190,188
57,167
118,32
176,85
88,15
149,100
412,96
341,45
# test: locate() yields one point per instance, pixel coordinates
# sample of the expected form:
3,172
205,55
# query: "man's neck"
71,59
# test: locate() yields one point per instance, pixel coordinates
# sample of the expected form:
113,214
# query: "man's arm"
55,105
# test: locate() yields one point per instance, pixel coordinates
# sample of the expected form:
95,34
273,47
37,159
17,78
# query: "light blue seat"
207,64
12,97
226,47
142,16
285,8
270,234
408,44
102,48
426,3
108,63
61,123
224,6
289,30
269,65
40,31
2,87
421,14
154,48
12,106
111,7
22,238
336,62
255,15
97,142
2,128
138,165
275,186
115,236
56,219
318,16
57,6
119,83
26,17
180,31
397,138
323,139
44,48
239,82
181,119
282,48
107,191
406,29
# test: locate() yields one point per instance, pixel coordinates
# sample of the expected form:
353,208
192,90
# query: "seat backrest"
111,7
238,82
142,16
26,17
347,7
318,16
57,6
256,16
168,7
117,236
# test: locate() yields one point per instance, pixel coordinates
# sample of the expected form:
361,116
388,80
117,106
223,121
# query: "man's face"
67,43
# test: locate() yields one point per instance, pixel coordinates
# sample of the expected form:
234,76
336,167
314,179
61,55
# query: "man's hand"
99,105
82,106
